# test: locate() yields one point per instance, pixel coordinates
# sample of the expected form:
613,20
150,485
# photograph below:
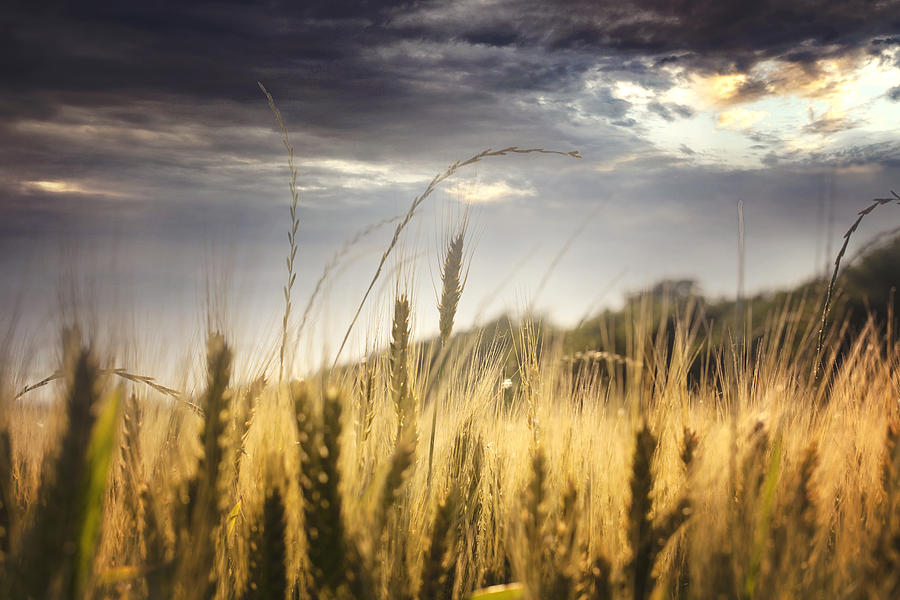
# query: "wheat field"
467,466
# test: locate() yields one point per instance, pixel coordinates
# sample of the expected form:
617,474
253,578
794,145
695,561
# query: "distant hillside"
865,289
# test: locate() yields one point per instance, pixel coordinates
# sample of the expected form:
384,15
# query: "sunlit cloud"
359,175
722,89
782,107
632,92
740,118
499,191
66,187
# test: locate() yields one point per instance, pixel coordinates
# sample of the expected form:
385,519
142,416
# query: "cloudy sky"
140,159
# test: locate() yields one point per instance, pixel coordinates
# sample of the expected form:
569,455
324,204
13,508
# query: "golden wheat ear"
438,570
452,284
334,566
453,281
58,552
639,568
267,578
101,447
196,575
534,522
596,580
8,503
398,472
45,562
401,387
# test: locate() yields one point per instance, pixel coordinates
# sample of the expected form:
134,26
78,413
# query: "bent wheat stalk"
124,374
417,202
826,307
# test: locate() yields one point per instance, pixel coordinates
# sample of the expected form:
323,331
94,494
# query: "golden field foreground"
623,478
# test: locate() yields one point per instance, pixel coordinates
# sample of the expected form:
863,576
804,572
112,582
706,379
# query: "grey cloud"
831,125
670,111
602,103
881,153
709,34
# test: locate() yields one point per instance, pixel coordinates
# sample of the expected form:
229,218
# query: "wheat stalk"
292,232
120,372
826,306
417,202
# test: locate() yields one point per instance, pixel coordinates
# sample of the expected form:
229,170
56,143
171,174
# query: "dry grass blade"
417,202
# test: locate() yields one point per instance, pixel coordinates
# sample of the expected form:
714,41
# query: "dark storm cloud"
352,68
155,105
353,84
708,33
